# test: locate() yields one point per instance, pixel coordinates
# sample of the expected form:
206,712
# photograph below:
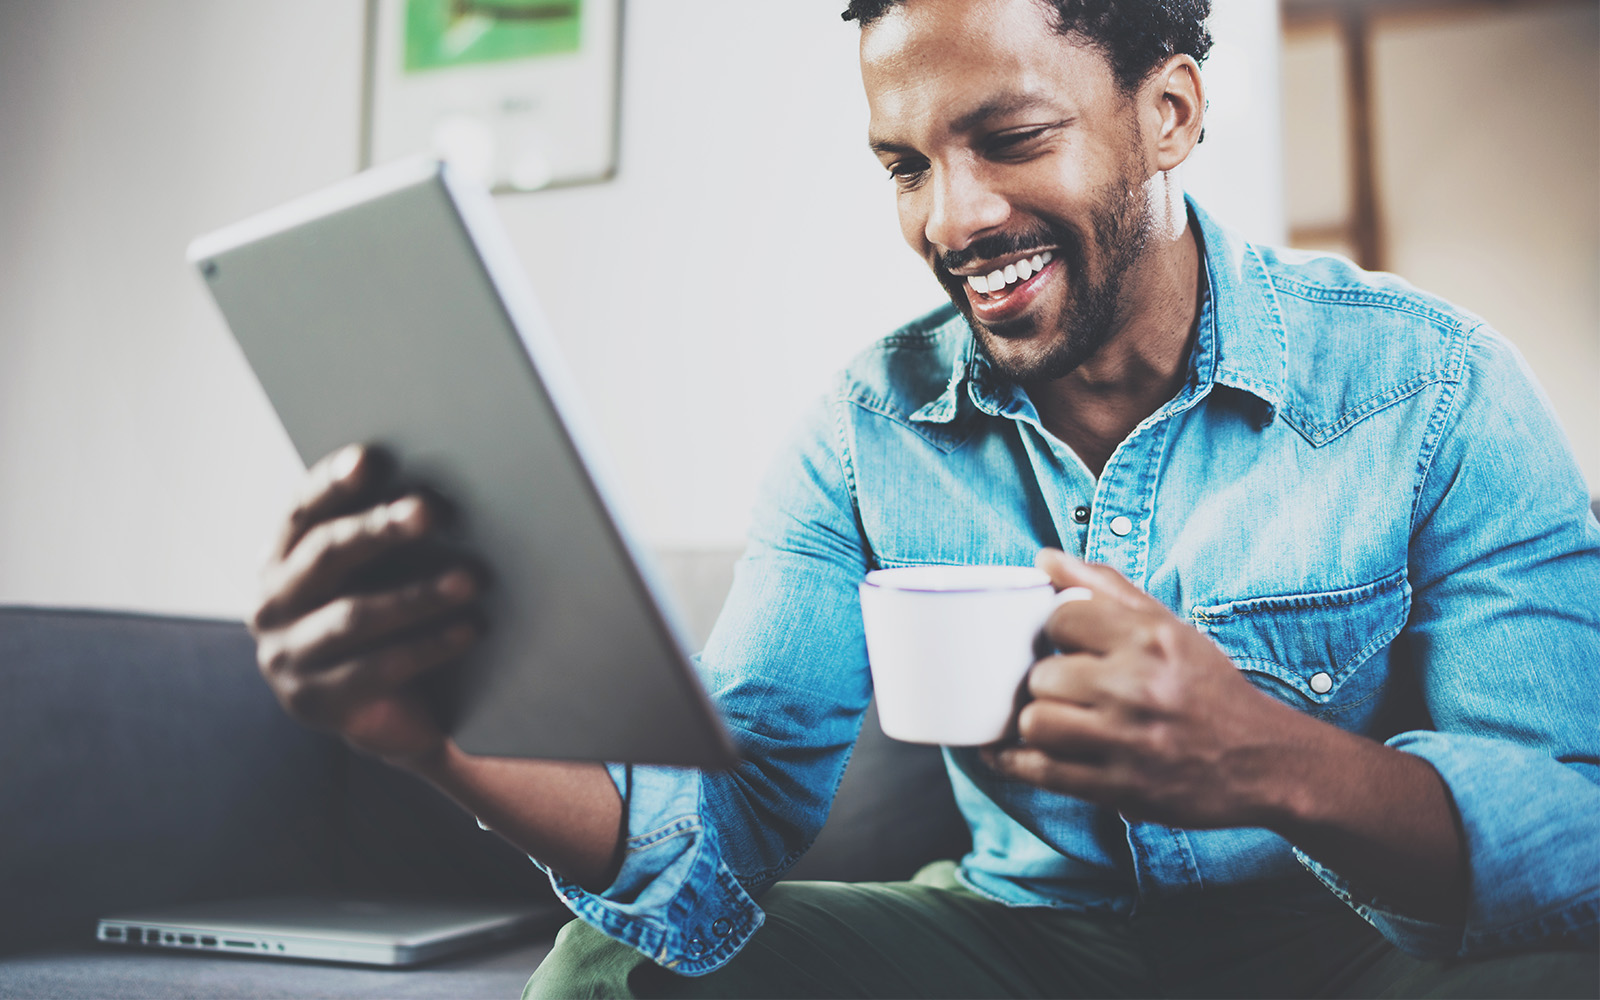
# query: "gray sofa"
143,761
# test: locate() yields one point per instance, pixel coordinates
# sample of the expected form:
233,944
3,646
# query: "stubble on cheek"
1083,316
1045,341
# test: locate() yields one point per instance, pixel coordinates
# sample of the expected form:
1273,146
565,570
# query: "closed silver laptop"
374,931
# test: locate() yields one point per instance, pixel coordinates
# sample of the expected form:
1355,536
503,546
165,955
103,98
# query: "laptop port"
209,942
111,933
186,939
237,944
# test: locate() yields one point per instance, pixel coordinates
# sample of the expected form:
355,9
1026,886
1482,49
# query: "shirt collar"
989,392
1243,346
942,408
1240,342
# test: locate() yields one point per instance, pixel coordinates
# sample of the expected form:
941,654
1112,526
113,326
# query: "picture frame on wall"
521,94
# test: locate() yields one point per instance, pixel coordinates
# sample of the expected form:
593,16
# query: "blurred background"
742,250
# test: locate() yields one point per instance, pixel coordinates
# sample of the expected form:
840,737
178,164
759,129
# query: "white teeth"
1021,270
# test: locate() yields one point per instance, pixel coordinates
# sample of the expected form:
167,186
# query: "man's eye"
1009,142
907,173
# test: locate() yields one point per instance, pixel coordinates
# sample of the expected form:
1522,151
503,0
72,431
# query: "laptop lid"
367,931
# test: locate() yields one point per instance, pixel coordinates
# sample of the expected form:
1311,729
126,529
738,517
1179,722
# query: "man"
1327,724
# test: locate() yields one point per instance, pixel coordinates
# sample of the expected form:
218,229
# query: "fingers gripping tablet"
389,309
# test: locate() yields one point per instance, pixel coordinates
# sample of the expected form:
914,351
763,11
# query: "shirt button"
1080,514
1120,525
720,927
697,947
1321,683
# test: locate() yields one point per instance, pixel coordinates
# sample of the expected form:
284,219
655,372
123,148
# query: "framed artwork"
520,93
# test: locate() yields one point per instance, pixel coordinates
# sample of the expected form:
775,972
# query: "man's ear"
1174,102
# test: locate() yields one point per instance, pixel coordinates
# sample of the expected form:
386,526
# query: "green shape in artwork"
444,33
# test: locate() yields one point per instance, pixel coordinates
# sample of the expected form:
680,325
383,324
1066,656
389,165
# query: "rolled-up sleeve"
786,665
1505,634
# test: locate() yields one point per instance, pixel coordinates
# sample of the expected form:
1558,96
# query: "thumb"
1069,573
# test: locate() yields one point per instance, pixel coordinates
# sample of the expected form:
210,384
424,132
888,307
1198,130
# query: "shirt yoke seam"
1365,295
938,437
1435,432
1320,434
847,469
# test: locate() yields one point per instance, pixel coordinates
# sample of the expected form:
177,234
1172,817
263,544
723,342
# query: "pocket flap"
1311,642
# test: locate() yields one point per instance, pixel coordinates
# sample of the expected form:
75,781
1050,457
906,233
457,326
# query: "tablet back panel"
389,309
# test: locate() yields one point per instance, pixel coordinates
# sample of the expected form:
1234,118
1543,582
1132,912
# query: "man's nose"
963,207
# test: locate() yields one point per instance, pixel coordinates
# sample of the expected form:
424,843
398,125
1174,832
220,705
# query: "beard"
1119,233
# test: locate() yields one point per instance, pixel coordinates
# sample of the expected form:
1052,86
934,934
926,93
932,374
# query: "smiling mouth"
996,282
1005,295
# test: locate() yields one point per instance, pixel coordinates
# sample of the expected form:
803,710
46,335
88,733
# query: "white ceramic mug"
950,645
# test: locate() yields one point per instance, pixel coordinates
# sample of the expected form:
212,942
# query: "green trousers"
931,937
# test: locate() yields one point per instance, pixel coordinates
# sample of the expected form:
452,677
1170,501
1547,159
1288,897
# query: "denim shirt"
1359,493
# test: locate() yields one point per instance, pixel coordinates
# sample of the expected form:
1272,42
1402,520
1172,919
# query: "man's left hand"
1142,712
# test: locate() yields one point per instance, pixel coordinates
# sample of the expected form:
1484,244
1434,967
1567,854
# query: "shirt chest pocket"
1315,645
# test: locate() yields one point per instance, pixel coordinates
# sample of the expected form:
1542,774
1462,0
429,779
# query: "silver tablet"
390,308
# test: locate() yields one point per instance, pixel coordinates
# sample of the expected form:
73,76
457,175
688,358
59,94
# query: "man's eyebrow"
1005,104
881,146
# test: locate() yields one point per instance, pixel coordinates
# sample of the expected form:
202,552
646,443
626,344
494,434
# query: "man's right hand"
339,654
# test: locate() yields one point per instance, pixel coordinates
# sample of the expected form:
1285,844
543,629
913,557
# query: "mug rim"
1039,579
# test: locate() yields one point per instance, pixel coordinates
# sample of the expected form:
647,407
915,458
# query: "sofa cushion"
145,762
94,973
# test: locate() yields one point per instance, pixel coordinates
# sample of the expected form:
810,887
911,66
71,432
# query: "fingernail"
345,462
457,585
1073,594
1048,555
405,512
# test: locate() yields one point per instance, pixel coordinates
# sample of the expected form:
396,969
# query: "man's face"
1010,146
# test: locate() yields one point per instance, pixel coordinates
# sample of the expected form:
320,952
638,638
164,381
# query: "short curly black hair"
1135,35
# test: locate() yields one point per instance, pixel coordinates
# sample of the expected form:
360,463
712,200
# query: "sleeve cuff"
1531,832
1421,938
673,900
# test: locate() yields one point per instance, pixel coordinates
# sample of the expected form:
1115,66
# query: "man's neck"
1142,366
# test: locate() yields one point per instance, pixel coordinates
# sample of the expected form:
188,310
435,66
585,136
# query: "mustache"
1003,244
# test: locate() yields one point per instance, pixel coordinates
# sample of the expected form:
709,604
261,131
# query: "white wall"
1237,172
745,250
138,462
